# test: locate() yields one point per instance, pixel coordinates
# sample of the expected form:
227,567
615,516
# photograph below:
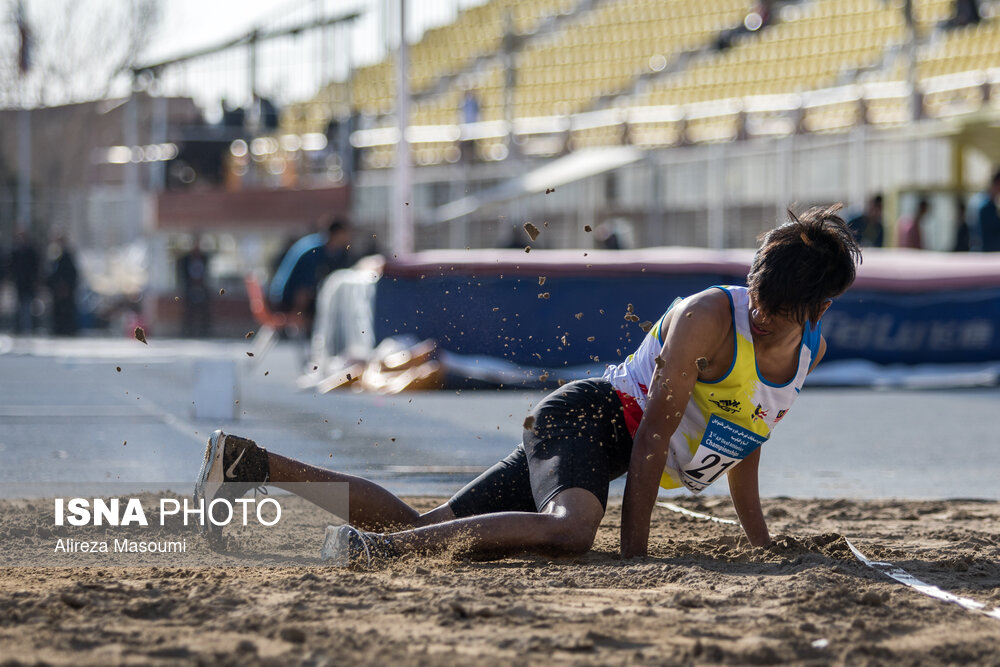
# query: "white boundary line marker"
904,577
695,515
888,569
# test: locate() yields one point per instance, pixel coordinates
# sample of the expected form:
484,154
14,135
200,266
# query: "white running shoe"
232,466
346,546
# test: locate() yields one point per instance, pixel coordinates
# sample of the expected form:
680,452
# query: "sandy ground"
703,596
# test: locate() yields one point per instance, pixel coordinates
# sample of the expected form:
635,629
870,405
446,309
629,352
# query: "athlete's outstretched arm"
744,489
746,499
697,329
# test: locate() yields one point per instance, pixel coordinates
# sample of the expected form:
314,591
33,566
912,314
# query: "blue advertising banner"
569,314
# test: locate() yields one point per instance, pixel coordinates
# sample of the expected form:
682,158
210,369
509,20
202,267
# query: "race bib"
724,445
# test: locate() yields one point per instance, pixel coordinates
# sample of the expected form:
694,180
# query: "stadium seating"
598,53
827,39
942,59
608,52
448,50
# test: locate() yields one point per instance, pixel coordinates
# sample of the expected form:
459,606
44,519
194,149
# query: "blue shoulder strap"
812,337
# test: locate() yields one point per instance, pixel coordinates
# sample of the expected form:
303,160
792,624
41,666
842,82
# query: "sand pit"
703,596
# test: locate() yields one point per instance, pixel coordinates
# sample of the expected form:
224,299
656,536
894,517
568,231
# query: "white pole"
158,134
133,226
402,213
716,173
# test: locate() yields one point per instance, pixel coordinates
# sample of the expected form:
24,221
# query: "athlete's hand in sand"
696,329
746,499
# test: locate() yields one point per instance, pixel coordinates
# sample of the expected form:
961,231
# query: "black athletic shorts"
578,440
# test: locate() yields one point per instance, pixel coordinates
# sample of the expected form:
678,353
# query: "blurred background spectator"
25,271
307,263
984,222
962,233
867,226
908,228
966,12
62,279
196,296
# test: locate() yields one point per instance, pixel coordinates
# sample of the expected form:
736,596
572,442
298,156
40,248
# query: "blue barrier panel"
906,307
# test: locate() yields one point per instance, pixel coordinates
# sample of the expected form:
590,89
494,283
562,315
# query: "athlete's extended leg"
234,465
565,527
371,507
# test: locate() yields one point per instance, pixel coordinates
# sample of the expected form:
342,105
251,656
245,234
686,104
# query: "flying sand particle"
249,335
140,335
529,423
701,363
532,231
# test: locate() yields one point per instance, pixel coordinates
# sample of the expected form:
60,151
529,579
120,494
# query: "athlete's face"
767,325
764,325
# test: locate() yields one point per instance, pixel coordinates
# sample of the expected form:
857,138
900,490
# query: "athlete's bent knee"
577,541
576,515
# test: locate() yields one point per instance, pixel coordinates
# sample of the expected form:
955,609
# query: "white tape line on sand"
888,569
696,515
904,577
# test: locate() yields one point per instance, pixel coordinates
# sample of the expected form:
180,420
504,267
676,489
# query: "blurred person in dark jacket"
963,236
867,226
964,12
310,259
25,269
192,276
984,221
62,279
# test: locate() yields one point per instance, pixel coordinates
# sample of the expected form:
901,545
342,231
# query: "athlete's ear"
823,308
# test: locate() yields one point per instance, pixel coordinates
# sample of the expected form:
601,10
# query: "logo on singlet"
759,412
728,405
781,413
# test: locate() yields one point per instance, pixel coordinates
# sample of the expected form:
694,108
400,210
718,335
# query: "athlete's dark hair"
801,264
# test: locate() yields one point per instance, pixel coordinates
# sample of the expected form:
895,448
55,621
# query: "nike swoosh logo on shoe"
231,470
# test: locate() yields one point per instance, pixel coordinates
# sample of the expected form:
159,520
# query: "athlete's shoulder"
713,303
706,314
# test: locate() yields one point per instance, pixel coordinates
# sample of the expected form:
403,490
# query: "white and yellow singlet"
725,420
